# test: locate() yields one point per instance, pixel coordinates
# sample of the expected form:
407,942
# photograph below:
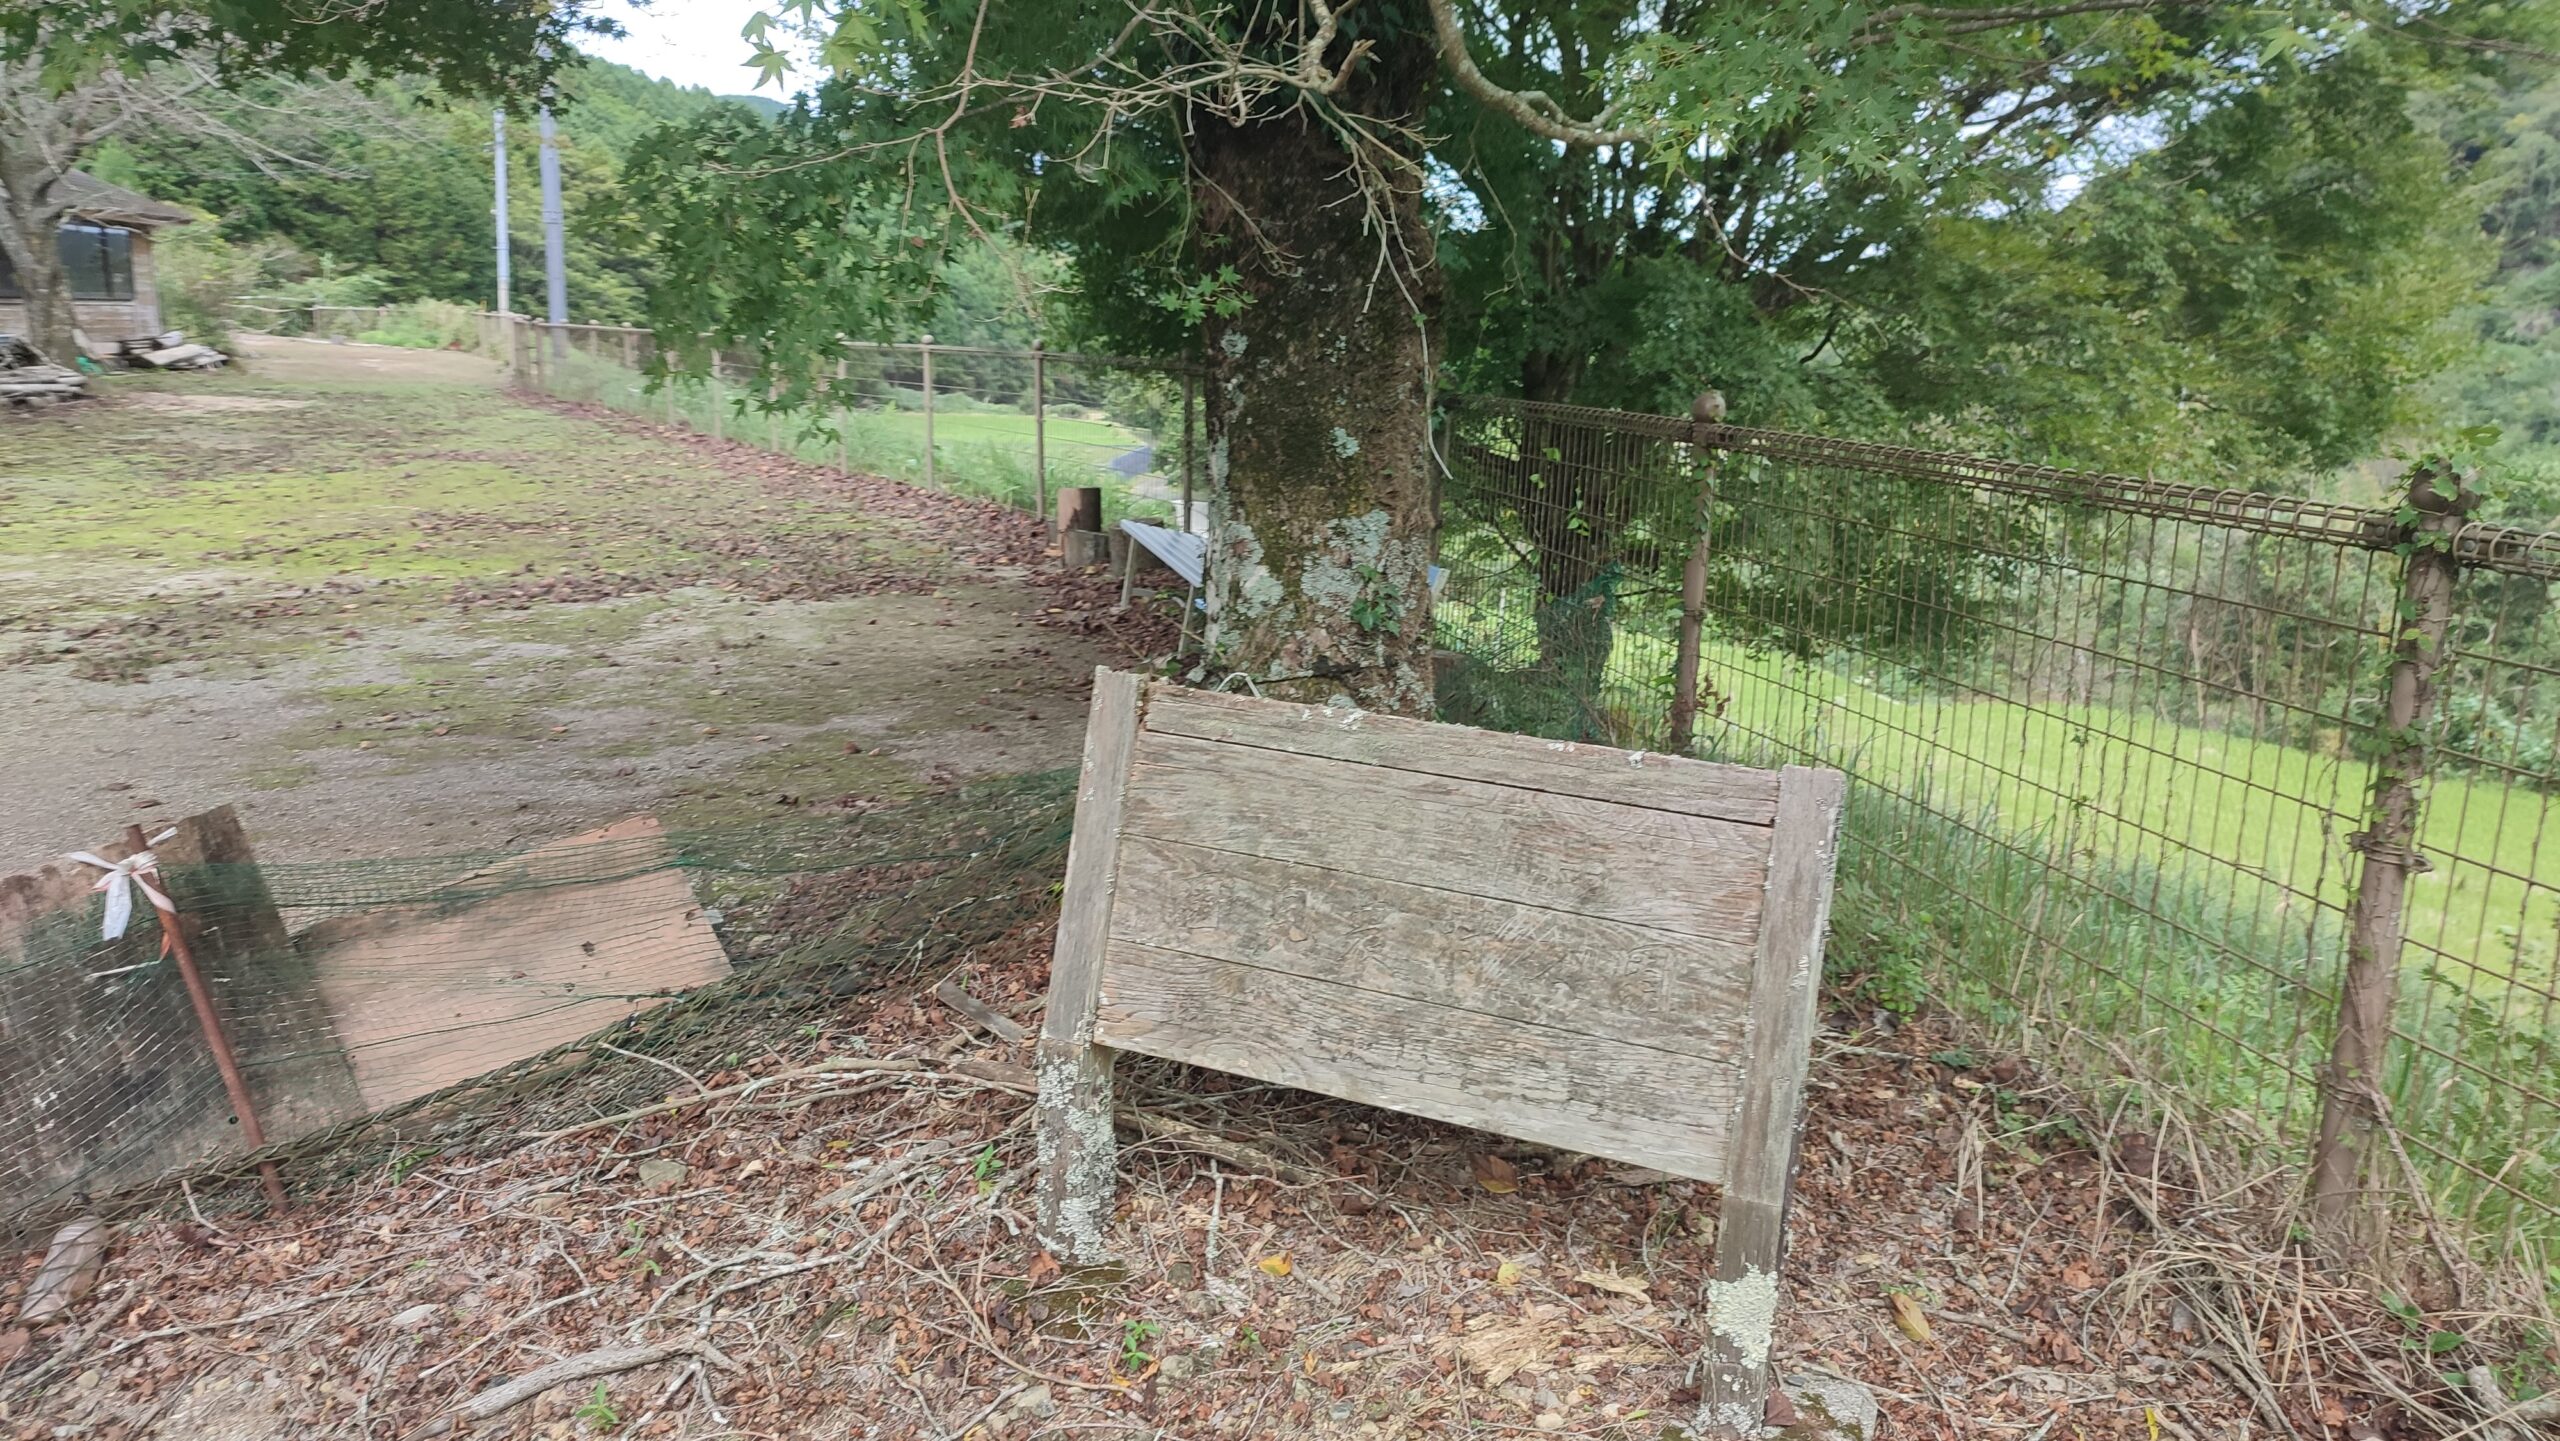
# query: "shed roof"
95,199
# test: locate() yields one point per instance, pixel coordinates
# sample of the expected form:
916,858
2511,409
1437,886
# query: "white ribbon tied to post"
119,882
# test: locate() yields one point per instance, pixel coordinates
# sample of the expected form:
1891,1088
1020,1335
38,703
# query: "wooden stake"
1707,411
1077,1150
214,1040
2375,918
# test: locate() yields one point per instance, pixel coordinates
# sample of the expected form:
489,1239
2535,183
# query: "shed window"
99,260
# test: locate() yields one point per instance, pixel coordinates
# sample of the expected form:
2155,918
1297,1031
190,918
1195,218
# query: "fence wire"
1010,426
2113,739
353,991
2111,744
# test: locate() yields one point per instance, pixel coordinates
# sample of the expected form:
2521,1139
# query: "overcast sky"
691,42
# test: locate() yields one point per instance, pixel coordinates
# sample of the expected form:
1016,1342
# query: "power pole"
555,269
506,272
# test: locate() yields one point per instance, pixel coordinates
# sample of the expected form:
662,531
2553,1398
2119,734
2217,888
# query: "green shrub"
426,325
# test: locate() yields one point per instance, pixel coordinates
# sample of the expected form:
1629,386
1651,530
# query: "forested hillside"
2512,379
383,195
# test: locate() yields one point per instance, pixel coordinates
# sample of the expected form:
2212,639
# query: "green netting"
355,993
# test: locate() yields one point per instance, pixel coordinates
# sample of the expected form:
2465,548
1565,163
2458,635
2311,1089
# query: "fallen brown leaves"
835,1241
974,534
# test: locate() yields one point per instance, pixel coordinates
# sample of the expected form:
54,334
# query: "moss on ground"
213,519
420,608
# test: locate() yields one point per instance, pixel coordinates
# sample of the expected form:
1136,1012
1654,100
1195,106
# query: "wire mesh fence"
2125,753
2120,754
353,992
1012,426
289,315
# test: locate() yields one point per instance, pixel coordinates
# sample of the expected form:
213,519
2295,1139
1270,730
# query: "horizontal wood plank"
1676,872
1595,1096
1596,772
1558,969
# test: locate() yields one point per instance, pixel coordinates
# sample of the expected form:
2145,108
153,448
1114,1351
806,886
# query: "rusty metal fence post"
209,1020
2422,616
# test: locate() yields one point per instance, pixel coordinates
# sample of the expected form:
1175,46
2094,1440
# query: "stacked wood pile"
28,379
170,351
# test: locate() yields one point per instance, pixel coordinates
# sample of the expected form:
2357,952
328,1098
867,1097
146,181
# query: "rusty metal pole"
1707,412
2350,1108
214,1040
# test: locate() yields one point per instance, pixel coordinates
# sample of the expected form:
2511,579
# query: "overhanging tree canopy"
1266,178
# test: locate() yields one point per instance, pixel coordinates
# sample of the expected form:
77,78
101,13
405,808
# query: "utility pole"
498,126
555,270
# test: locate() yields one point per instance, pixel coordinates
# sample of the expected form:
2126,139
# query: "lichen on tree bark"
1319,397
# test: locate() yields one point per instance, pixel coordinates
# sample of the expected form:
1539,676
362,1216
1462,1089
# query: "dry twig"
611,1361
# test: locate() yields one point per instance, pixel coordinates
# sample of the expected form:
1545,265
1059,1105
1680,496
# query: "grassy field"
982,452
2167,901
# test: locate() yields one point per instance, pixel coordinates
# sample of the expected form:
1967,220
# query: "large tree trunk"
1319,397
39,142
27,237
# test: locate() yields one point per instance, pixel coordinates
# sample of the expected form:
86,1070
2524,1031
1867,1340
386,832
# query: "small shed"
106,249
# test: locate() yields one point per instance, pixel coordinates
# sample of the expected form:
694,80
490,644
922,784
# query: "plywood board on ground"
428,994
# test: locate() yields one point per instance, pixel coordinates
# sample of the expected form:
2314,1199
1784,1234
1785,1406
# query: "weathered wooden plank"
1752,1225
1077,1153
1550,968
1683,873
1592,1095
1652,780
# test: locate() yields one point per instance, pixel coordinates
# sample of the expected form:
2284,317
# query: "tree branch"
1533,110
1312,75
1965,20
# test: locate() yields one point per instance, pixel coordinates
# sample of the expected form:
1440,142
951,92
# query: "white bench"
1184,552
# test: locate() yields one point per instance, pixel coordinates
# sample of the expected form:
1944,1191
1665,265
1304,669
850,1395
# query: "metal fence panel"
2114,744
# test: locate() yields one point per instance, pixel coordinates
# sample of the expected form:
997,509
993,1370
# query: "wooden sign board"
1602,950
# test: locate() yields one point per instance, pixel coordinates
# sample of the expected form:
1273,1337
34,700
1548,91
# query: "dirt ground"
386,608
838,1244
